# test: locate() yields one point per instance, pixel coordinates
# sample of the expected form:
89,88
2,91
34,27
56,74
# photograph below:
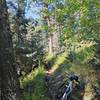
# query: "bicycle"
69,87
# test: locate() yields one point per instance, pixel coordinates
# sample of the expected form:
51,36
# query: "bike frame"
67,91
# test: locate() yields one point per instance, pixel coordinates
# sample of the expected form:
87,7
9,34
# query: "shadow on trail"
52,60
63,67
77,93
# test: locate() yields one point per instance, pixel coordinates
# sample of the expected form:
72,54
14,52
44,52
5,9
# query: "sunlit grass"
34,85
59,60
31,76
85,73
85,44
60,65
48,57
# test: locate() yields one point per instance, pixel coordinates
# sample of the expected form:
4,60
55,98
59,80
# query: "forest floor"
33,85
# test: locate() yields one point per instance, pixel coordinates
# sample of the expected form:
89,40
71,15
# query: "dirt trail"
56,87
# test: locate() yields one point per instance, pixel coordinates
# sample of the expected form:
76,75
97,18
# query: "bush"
84,55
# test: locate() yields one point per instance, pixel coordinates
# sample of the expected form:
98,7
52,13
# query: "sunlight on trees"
61,34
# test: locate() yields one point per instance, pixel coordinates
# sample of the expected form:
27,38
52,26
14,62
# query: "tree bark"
50,45
50,36
50,42
9,81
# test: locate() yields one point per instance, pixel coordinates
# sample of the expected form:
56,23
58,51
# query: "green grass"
84,55
80,67
33,86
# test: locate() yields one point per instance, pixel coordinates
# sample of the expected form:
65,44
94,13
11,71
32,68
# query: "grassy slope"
33,84
87,74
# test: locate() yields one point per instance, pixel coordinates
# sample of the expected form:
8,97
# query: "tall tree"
9,81
50,36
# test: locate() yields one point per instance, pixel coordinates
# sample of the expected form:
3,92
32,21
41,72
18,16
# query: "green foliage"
74,21
81,20
33,85
85,55
47,1
31,52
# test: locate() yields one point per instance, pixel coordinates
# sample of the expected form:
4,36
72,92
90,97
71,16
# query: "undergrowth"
33,85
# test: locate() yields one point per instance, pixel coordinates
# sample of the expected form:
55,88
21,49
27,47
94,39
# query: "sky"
31,9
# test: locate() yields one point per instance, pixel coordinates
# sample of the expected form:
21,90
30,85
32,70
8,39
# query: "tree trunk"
9,81
50,45
50,36
50,42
